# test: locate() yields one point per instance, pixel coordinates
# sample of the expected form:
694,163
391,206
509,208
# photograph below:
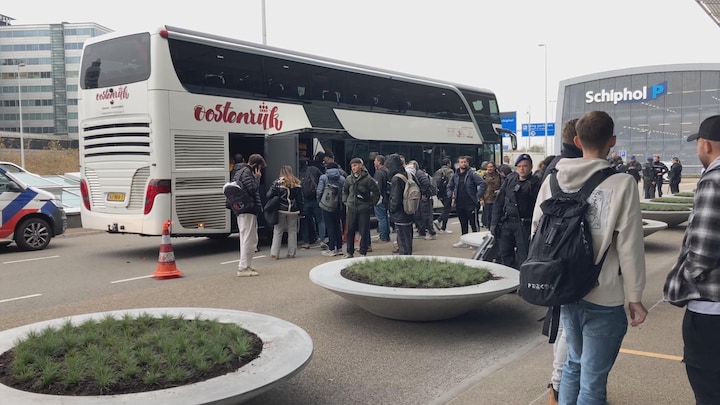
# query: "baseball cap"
632,157
356,160
522,157
709,129
649,159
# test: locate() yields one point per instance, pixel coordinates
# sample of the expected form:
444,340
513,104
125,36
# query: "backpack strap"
551,323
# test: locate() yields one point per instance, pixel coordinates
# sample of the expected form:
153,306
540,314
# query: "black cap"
356,160
709,129
522,157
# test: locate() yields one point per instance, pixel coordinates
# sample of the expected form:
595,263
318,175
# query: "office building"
42,60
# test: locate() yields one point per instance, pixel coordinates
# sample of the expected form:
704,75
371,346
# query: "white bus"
162,112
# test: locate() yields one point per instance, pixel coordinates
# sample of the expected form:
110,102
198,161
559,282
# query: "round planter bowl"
287,349
671,218
652,226
416,304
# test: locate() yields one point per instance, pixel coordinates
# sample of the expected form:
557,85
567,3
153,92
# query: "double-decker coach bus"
161,113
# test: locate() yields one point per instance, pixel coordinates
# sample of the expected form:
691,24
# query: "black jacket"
291,199
397,190
516,199
246,180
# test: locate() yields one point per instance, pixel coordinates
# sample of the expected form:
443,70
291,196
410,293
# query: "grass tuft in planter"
685,194
126,355
663,207
409,272
673,200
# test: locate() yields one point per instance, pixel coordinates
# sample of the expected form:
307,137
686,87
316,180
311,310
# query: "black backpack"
560,267
308,184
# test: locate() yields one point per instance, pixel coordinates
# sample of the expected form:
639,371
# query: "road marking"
649,354
31,260
20,298
131,279
235,261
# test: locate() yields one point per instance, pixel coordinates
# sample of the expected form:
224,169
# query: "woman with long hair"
290,203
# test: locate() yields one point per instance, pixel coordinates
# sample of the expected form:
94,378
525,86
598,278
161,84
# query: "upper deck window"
116,61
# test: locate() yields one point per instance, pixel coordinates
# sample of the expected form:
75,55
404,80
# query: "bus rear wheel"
33,234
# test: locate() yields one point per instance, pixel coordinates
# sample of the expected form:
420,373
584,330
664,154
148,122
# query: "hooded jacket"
331,176
360,193
248,183
397,190
616,226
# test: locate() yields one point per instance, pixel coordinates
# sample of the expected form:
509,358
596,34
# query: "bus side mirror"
513,141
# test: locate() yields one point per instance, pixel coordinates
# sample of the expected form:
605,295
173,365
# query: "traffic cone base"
166,259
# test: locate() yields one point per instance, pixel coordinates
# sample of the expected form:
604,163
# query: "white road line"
20,298
235,261
31,260
131,279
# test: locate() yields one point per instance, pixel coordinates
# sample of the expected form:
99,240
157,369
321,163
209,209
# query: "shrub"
663,207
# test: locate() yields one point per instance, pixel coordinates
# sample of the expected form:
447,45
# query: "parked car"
31,216
11,167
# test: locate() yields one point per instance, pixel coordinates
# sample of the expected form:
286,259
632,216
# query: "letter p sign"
658,90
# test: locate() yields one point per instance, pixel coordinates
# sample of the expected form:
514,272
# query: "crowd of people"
331,206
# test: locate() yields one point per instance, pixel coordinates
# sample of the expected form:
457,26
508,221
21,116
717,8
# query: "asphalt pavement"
494,355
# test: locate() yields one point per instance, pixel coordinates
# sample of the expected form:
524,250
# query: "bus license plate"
116,196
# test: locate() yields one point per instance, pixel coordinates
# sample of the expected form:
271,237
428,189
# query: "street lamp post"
22,138
547,151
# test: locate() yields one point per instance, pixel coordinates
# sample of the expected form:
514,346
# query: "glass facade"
43,62
654,108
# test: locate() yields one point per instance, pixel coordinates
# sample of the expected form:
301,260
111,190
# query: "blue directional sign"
509,121
538,129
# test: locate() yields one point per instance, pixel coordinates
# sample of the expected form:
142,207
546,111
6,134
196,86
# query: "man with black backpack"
591,296
382,178
312,223
424,215
442,177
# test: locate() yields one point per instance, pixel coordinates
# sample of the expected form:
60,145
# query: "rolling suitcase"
488,250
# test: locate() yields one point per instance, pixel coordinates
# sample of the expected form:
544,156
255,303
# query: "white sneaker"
430,237
247,272
328,253
338,252
459,244
348,256
437,224
448,231
323,246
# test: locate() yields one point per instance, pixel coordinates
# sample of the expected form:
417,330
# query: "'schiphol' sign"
625,95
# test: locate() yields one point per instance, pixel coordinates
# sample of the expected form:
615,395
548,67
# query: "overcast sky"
482,43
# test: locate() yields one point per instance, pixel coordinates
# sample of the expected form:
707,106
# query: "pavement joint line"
131,279
20,298
237,260
651,354
31,260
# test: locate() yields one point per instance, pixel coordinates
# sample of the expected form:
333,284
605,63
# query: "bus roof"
225,42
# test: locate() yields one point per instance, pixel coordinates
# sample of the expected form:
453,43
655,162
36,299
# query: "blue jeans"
383,226
313,218
594,334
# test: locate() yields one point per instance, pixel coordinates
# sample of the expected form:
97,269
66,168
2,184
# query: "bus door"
280,150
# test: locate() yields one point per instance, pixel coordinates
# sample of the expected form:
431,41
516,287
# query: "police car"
30,217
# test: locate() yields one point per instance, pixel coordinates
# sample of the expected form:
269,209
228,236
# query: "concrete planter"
287,349
651,226
671,218
415,304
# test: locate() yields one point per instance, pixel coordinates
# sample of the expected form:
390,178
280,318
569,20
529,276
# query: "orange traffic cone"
166,260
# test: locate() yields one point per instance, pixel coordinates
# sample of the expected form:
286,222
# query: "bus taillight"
85,194
156,186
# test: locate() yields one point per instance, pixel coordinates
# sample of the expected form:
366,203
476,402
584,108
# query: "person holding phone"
248,178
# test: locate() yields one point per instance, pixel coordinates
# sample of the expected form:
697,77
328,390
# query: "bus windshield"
116,61
485,110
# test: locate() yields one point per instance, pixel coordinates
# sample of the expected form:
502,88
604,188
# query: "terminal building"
39,66
655,108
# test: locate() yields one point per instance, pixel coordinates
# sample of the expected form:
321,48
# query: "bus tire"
33,234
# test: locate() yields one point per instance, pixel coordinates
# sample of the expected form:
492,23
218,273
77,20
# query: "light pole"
22,138
547,152
264,29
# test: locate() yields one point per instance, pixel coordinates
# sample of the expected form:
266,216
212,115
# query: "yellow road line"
649,354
